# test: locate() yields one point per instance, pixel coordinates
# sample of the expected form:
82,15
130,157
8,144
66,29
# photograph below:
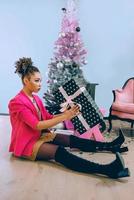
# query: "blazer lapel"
38,103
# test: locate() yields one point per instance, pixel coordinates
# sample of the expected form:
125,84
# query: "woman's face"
33,83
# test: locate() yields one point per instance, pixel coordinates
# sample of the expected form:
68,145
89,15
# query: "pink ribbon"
71,103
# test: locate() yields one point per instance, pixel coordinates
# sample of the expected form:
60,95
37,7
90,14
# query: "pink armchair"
123,104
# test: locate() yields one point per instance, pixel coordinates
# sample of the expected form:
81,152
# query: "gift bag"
72,93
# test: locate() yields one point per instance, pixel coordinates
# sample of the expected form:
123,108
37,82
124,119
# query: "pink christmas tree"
69,46
69,54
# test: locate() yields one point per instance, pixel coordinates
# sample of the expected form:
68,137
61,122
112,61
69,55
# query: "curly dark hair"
24,67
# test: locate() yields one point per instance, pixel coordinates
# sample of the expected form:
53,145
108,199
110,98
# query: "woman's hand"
72,112
67,115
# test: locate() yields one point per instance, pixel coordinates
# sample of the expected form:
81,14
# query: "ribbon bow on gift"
69,101
65,105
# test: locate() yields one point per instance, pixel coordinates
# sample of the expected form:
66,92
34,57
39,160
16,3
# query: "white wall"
30,27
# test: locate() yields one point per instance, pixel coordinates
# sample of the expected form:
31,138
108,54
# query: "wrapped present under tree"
73,93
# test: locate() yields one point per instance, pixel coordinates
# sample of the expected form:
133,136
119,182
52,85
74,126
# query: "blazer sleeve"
19,110
48,115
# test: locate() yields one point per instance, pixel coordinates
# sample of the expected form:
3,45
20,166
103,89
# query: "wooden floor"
27,180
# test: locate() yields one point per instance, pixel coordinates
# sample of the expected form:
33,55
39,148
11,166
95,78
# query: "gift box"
72,93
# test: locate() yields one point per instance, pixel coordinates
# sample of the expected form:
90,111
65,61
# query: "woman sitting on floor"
32,139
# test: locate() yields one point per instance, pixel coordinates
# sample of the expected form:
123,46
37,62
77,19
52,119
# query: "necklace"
32,99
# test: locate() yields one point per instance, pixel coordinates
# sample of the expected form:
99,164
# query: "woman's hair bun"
22,65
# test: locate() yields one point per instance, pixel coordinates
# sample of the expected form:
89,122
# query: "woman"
32,139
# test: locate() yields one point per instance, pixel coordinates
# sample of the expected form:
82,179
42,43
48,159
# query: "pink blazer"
24,118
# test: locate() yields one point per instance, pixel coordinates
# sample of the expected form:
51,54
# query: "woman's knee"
46,151
62,139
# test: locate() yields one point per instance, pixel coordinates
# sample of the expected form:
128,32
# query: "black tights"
55,150
47,150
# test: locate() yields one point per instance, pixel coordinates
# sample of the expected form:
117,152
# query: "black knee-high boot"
92,146
115,169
